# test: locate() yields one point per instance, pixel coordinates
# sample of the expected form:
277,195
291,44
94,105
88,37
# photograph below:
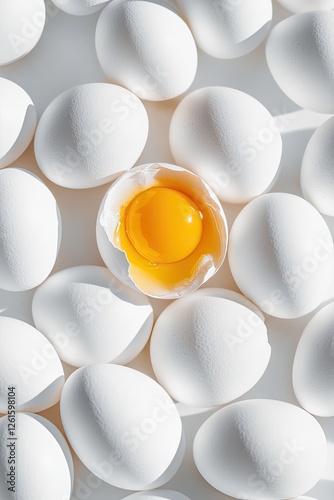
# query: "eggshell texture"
297,6
301,60
158,495
317,172
313,368
227,29
147,48
90,317
17,121
43,463
21,26
89,134
281,255
190,273
80,7
122,425
229,139
30,230
207,350
261,449
30,363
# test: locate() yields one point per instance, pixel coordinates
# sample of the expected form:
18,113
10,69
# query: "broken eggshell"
90,317
192,273
18,121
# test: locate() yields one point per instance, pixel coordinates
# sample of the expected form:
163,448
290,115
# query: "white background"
64,57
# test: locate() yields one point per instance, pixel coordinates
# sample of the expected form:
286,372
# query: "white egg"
30,230
207,350
21,26
305,498
17,121
90,317
313,368
281,255
80,7
123,258
89,134
299,56
122,425
29,363
317,173
297,6
157,495
42,462
146,47
229,139
227,29
261,449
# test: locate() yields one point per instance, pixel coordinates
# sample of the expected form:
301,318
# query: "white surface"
66,57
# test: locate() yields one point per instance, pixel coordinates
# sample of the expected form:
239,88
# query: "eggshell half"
192,273
146,47
229,139
313,368
281,255
297,6
17,121
30,363
227,29
300,58
30,230
21,26
207,350
89,134
317,171
157,495
80,7
91,317
43,464
122,425
261,449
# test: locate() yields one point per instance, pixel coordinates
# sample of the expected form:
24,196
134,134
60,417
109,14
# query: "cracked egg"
161,230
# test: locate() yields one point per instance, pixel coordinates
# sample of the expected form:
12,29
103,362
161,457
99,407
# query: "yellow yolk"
163,225
170,235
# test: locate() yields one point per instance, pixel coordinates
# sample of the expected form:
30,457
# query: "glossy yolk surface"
145,248
163,225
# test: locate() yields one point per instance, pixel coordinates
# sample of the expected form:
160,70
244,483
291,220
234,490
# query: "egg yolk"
164,225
